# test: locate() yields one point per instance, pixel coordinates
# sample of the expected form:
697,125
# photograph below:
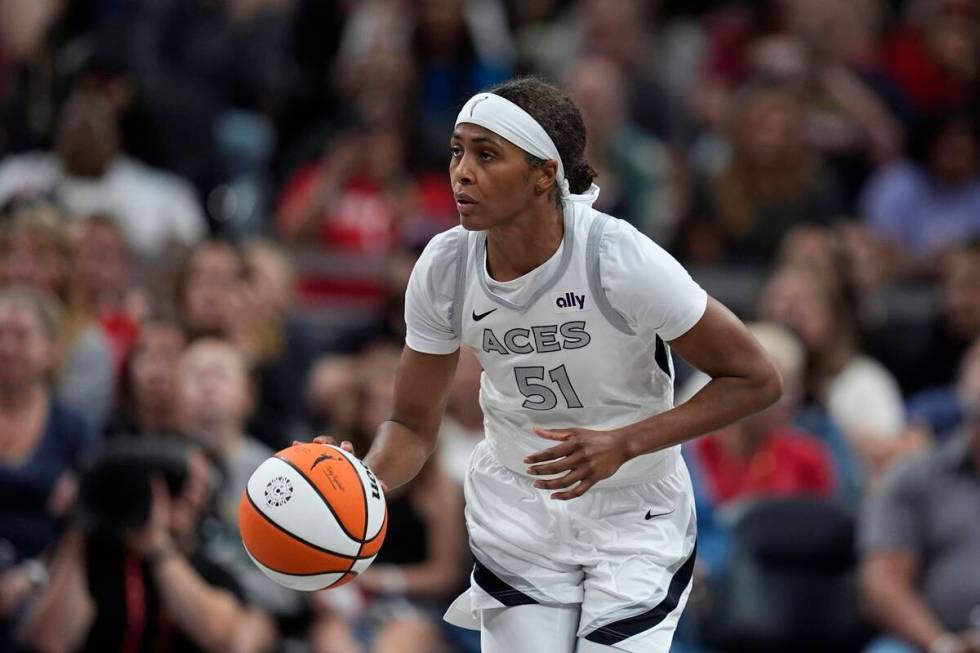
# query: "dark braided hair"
561,120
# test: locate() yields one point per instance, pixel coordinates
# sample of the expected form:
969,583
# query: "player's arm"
404,442
743,381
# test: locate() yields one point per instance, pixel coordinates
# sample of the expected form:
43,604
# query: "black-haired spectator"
134,578
932,55
86,172
931,201
149,395
211,74
921,540
41,443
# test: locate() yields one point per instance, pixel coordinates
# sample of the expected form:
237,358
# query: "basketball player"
578,504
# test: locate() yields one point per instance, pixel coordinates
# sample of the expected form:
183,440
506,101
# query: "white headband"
503,117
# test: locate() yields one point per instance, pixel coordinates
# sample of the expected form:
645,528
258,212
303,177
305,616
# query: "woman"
858,394
36,251
149,395
225,293
771,183
40,443
577,388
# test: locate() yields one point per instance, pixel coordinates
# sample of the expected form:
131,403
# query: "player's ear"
546,176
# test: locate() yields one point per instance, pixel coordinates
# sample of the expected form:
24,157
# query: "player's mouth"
464,203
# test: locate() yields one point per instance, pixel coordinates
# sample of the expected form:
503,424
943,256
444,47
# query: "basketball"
312,516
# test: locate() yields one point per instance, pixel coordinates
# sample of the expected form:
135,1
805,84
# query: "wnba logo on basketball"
278,491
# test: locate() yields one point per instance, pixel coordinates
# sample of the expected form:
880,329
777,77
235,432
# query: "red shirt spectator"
786,462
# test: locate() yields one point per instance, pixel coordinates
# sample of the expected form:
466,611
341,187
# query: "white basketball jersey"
561,355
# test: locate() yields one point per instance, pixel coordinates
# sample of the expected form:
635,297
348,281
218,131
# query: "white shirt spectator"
865,398
154,208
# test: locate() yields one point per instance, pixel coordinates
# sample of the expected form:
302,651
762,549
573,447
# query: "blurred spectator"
134,578
921,550
764,455
279,347
333,396
553,36
462,426
212,73
934,54
150,394
360,205
926,204
104,283
243,297
927,355
421,564
827,51
771,183
28,74
36,251
856,391
215,401
41,443
459,47
87,173
634,167
376,74
351,198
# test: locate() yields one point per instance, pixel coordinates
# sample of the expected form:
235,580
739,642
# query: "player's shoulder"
445,244
438,263
620,240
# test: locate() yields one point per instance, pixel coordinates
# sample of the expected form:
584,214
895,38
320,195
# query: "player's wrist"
630,442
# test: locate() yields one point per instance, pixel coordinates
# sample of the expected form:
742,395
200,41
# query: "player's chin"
474,222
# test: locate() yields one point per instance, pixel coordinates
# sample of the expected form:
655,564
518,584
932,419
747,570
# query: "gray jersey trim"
613,316
459,295
566,258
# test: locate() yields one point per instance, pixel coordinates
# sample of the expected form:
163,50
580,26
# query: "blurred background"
209,210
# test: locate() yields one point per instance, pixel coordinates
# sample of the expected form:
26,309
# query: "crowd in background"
209,210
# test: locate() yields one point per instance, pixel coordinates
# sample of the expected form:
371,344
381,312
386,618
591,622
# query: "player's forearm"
722,401
398,453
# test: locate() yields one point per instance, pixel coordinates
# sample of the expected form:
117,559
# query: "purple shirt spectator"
905,205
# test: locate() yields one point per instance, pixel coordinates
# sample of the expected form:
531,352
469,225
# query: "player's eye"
455,150
486,155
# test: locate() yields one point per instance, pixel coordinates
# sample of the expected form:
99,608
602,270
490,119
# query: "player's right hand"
328,439
345,445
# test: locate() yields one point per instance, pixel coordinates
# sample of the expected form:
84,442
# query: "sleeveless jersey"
562,354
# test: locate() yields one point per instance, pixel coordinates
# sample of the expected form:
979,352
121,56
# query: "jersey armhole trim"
459,293
594,274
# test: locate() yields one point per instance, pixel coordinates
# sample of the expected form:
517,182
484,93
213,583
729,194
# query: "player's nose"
461,173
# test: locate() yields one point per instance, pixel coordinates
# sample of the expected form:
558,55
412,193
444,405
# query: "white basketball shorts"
625,555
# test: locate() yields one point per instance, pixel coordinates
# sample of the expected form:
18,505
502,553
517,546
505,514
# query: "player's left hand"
587,457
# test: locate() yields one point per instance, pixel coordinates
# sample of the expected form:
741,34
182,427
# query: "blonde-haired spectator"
36,251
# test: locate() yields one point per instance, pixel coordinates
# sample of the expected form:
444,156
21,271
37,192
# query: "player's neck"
524,243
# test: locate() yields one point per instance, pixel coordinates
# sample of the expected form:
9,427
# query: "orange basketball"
312,516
